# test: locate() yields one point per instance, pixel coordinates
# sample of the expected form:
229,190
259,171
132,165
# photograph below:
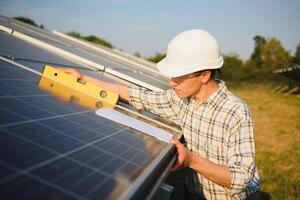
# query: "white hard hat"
191,51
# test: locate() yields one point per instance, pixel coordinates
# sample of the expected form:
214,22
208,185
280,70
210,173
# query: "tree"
26,20
90,38
137,54
256,55
296,59
274,56
74,34
157,57
232,69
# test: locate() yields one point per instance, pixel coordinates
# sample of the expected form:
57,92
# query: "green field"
277,139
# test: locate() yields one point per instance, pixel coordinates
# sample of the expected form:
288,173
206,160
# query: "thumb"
175,142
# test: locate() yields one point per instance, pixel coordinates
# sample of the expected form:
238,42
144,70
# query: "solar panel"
51,148
63,149
114,65
35,57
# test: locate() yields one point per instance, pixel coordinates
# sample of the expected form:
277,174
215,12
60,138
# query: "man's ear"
205,76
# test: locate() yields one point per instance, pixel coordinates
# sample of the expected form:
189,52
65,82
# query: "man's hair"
213,73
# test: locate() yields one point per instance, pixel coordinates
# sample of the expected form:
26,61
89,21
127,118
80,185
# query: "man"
217,126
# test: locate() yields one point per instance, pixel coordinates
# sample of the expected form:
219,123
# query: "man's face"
187,85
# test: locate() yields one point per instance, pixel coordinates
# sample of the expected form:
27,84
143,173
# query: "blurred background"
260,41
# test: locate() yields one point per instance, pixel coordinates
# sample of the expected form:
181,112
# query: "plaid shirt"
219,130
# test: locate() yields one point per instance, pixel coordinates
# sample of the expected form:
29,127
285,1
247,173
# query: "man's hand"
71,71
217,173
122,90
184,155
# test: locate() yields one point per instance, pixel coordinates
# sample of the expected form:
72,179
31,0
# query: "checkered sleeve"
157,102
241,156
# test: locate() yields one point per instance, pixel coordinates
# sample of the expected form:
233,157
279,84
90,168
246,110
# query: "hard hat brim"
168,69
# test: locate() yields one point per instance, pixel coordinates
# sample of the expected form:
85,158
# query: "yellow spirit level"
68,85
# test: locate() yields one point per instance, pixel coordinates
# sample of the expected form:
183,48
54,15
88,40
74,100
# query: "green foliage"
90,38
232,68
274,55
74,34
235,70
258,74
268,55
157,57
27,21
137,54
296,58
256,55
97,40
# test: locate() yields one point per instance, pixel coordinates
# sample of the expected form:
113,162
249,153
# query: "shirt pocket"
216,152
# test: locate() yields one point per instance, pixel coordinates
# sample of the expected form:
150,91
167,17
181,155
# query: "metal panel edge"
50,47
148,183
77,58
103,51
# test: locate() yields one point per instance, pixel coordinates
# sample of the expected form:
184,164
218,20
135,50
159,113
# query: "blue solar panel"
119,65
50,149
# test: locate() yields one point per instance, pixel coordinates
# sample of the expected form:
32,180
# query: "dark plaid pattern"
219,130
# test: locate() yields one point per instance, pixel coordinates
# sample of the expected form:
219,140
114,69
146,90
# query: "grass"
277,140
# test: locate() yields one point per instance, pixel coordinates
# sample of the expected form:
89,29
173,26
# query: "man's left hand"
184,155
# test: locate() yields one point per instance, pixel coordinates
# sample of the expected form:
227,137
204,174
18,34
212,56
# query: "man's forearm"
219,174
122,90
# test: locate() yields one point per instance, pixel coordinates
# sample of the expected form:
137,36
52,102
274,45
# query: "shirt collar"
214,99
218,95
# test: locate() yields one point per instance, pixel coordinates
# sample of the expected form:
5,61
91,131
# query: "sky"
147,26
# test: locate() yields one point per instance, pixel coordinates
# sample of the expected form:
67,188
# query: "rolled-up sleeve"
241,158
157,102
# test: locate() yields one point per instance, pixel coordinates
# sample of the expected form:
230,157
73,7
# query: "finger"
178,145
66,70
175,166
71,71
175,142
63,68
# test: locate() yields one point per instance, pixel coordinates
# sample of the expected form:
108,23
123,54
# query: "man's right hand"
71,71
122,90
